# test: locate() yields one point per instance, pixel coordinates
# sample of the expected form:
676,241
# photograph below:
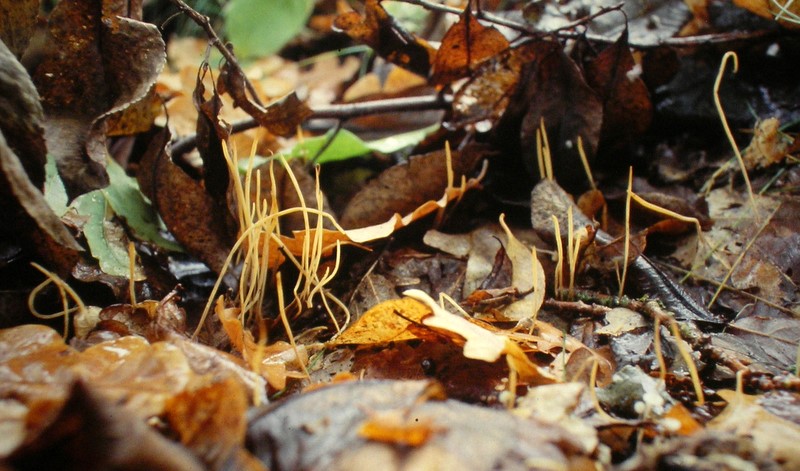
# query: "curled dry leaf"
36,222
280,117
97,61
21,115
275,362
527,277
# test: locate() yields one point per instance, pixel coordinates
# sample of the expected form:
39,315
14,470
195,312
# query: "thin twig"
519,27
204,22
340,111
566,32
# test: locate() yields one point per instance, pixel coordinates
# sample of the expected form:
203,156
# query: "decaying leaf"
494,84
768,146
17,24
556,94
98,59
403,188
465,45
280,117
299,433
383,323
772,435
21,115
89,431
380,31
190,213
786,12
479,343
627,110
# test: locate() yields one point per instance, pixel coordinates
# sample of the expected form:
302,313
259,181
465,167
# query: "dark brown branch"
205,23
341,111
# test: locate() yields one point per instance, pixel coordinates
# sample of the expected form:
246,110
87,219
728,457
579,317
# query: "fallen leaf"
772,435
385,322
377,29
494,85
403,188
556,94
281,117
189,212
479,343
90,431
97,61
17,24
465,45
627,109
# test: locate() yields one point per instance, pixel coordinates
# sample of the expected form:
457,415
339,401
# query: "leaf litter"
439,312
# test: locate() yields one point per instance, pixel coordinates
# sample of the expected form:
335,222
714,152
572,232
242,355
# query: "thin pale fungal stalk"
687,358
558,280
626,250
728,133
64,289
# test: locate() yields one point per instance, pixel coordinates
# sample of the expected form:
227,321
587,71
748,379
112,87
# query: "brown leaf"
211,132
21,116
17,23
485,97
279,117
189,212
90,432
627,109
465,45
23,202
402,188
211,422
556,93
94,64
379,31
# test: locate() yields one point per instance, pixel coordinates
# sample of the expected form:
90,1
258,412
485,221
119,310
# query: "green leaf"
106,240
345,145
390,144
262,27
128,203
54,191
